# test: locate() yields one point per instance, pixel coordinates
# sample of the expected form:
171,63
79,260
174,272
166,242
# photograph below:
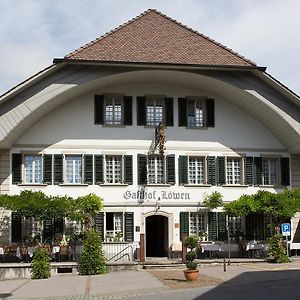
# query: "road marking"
264,269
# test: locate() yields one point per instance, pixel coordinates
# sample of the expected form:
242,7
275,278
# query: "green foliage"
92,260
40,264
191,242
277,249
213,200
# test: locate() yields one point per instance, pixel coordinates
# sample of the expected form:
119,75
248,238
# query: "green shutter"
285,171
16,168
142,169
211,170
98,109
182,113
127,110
99,224
16,227
212,226
183,169
99,176
169,112
255,226
129,226
141,110
210,112
184,223
249,170
47,168
170,159
222,231
58,168
257,170
128,178
88,169
221,170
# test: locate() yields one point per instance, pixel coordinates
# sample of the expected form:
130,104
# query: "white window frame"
73,169
194,115
234,170
201,226
235,226
267,180
116,118
114,157
197,167
156,173
156,102
33,175
112,233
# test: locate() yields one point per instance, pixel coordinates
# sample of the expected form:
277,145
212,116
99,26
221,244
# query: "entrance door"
157,236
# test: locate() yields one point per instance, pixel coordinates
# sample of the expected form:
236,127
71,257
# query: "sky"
33,32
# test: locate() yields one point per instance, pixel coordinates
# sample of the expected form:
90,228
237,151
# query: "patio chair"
63,252
24,253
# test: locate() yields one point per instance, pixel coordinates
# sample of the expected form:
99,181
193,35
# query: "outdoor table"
256,250
211,249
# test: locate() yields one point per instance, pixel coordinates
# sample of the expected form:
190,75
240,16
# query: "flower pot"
191,275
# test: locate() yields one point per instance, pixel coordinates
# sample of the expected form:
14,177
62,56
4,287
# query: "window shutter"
127,110
129,226
210,112
128,169
142,169
16,168
170,169
47,230
99,224
99,109
249,170
285,171
212,226
141,110
47,168
182,112
16,227
58,168
183,169
222,231
184,223
258,170
221,170
211,170
169,112
88,169
99,176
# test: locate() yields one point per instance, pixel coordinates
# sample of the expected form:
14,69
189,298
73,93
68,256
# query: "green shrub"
92,261
40,266
191,242
190,256
191,265
277,249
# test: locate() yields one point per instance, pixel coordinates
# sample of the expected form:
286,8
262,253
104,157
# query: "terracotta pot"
191,275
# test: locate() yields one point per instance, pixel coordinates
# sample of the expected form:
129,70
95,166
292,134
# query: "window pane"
73,169
270,171
195,113
197,223
233,172
154,112
33,169
155,169
113,111
196,170
114,169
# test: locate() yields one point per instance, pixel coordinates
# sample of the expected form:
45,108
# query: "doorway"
157,236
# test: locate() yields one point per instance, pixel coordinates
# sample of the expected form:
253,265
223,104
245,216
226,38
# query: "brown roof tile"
155,38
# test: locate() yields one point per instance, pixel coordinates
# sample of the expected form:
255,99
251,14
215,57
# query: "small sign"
286,229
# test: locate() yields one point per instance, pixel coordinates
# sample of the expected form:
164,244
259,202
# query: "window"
114,169
196,170
233,171
73,168
154,111
155,169
198,224
113,110
33,168
270,171
195,113
235,226
113,224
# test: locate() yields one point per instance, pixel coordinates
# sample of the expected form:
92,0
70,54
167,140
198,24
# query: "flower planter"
191,275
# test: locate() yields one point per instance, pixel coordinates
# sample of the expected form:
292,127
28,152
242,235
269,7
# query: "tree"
214,200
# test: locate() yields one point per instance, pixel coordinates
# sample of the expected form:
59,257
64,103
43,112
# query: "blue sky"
33,32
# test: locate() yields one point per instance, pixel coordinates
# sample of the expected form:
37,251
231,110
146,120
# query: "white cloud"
33,32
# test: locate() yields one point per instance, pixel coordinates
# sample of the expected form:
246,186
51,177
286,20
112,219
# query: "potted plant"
191,273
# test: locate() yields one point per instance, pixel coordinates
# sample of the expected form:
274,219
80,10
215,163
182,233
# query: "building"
89,124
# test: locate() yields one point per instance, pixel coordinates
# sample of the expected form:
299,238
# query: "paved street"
244,281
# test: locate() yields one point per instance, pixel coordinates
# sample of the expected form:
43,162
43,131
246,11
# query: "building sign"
155,195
